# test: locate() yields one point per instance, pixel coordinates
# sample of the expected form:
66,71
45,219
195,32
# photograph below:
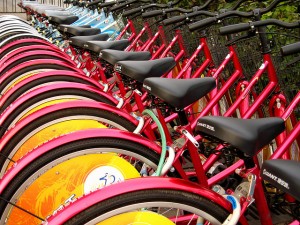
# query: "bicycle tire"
24,70
15,63
55,93
27,42
157,198
109,118
120,146
21,37
45,81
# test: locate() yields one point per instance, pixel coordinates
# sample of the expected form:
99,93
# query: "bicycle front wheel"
153,207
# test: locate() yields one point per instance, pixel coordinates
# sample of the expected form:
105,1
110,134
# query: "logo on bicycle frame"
101,177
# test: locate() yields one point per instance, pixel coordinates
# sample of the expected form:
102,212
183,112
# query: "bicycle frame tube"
149,47
129,26
139,184
177,39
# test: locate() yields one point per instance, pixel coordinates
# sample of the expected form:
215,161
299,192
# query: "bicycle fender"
65,139
132,185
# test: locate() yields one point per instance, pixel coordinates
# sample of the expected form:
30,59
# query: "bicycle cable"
24,210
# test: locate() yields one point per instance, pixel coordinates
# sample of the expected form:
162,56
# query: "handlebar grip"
152,13
175,19
106,4
93,3
290,49
202,23
235,28
122,5
131,12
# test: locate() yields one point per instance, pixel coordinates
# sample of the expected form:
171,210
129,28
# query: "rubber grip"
121,5
132,12
152,13
235,28
106,4
203,23
93,3
290,49
174,19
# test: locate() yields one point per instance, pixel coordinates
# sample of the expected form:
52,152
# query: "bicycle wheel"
66,171
43,79
49,95
32,55
52,123
28,69
152,207
27,41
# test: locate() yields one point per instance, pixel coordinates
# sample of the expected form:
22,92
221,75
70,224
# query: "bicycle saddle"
62,19
41,10
63,27
140,70
57,13
80,31
98,46
114,56
179,93
248,135
283,174
79,41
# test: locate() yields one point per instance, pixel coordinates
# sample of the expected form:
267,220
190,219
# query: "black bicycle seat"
79,41
283,174
140,70
63,27
114,56
81,31
62,19
50,12
98,46
179,92
247,135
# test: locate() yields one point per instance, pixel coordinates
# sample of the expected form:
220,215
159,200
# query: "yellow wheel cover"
138,218
52,131
67,181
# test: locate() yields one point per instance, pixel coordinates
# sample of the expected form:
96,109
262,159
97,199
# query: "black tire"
16,46
44,81
27,69
120,146
190,203
32,57
20,37
111,120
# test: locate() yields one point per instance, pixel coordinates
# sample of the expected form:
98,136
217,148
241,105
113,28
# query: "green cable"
163,141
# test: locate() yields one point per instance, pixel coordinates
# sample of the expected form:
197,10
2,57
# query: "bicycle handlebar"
142,8
251,25
177,19
290,49
108,4
122,5
237,5
90,4
210,21
164,11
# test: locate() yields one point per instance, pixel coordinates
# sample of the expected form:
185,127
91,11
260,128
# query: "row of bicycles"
133,112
